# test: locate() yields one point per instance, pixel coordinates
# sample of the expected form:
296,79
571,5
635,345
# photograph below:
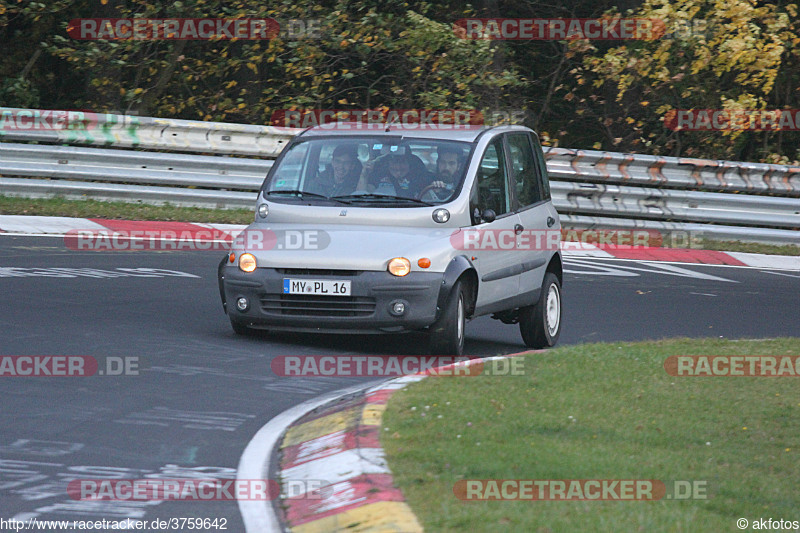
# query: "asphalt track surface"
202,392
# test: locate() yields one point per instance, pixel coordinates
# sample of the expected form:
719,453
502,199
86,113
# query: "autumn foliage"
615,95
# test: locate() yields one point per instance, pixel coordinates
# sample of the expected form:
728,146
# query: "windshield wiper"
298,192
369,196
302,194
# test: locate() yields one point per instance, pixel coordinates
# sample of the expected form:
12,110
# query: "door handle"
550,222
518,228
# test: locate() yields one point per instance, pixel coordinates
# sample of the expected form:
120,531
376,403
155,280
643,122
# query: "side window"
524,170
291,169
541,163
490,190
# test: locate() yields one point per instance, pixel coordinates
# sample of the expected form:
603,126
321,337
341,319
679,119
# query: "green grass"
60,207
602,411
751,247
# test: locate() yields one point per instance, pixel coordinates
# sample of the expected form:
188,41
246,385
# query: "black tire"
540,324
447,333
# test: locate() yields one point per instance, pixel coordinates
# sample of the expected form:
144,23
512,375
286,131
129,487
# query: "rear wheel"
447,333
540,324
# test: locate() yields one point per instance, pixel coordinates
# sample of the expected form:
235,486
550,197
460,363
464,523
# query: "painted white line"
780,262
12,234
260,517
618,259
780,274
658,267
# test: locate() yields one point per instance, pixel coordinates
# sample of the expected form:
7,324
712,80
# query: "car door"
495,258
540,230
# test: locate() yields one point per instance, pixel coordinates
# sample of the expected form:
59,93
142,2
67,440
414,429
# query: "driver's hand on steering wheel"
436,185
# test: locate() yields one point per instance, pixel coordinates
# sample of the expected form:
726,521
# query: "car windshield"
373,171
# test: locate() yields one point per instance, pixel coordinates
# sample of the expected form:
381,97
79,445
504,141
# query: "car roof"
463,133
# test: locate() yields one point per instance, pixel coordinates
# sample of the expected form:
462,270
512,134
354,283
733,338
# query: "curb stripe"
339,441
374,517
51,225
342,405
342,497
339,467
350,507
339,421
257,516
380,396
372,413
680,255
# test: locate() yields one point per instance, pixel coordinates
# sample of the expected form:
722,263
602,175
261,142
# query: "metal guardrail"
127,131
591,189
672,172
665,204
127,166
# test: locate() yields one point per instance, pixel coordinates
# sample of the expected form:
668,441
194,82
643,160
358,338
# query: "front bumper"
367,308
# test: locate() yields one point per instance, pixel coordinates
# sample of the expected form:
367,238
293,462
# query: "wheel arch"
459,269
556,267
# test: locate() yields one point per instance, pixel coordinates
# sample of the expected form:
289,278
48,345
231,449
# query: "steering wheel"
430,188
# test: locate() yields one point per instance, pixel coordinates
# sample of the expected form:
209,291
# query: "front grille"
316,272
321,306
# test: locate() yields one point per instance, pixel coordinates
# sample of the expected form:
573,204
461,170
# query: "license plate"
323,287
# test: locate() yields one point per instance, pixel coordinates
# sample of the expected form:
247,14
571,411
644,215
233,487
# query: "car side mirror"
488,215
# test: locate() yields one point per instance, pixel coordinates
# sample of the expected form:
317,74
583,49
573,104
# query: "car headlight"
399,266
247,262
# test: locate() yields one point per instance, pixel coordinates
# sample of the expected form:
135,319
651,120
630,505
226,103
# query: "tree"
717,54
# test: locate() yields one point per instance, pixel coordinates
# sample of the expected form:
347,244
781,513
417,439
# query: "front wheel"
447,333
540,324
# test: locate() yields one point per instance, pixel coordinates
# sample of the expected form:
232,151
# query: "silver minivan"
401,228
